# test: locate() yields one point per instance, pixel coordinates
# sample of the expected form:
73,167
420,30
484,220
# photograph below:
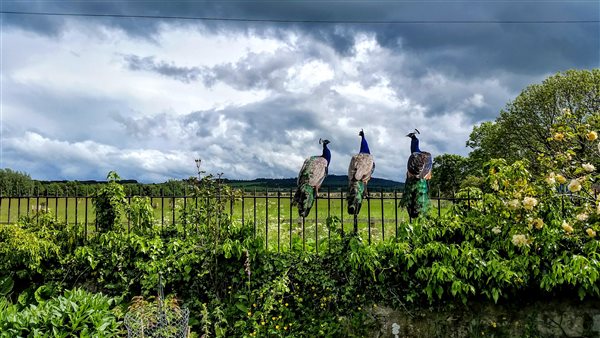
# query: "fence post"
342,209
9,199
56,206
369,214
19,205
291,215
382,217
129,204
278,220
243,206
162,209
85,227
76,204
396,209
303,235
254,210
266,219
328,217
317,223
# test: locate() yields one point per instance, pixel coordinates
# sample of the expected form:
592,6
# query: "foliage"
76,313
109,203
448,173
522,130
14,182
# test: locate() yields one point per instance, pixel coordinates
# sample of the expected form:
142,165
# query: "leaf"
6,285
242,307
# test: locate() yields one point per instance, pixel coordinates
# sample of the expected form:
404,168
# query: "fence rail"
270,212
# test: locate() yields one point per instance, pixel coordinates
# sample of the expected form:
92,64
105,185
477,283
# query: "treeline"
563,107
333,182
16,183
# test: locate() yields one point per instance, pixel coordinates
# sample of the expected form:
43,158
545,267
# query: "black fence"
269,212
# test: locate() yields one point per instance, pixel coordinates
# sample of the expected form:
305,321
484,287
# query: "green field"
380,222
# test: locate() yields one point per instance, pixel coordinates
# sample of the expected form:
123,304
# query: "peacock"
415,196
311,176
360,170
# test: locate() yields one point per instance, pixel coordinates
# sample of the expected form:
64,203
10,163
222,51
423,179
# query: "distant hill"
332,181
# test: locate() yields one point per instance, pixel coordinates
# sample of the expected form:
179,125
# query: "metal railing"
269,212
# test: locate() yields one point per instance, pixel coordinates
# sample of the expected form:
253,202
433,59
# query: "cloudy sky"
82,95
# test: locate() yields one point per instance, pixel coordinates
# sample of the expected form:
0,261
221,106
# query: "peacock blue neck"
326,154
414,145
364,146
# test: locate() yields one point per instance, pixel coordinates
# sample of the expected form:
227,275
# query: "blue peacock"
415,196
311,176
360,170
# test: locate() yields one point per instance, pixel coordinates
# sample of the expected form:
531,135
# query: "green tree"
525,127
14,182
449,171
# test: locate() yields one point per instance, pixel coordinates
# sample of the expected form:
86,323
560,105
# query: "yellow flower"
538,223
249,314
514,204
286,304
285,327
592,136
566,227
591,232
262,323
529,203
276,327
561,179
588,167
582,217
574,186
559,136
551,179
520,240
254,304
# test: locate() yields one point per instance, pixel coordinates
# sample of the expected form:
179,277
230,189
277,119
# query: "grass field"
378,217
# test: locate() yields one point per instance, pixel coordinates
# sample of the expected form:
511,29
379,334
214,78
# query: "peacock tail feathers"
415,197
355,196
304,199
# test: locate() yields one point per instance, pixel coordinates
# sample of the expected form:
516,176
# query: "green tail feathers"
304,198
415,197
355,197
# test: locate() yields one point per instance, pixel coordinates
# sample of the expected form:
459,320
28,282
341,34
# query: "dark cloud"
184,74
530,48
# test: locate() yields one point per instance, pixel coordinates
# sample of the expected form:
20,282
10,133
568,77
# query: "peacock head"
413,134
324,142
361,133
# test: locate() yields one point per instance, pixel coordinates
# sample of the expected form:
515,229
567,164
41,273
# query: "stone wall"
548,318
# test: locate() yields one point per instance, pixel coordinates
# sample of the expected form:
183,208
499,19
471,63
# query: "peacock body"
311,176
420,163
360,170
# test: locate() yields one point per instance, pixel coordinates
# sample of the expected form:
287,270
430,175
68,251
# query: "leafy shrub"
76,313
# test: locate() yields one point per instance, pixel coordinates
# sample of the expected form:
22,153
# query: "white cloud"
76,109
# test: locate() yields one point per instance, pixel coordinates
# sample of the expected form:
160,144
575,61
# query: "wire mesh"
158,319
